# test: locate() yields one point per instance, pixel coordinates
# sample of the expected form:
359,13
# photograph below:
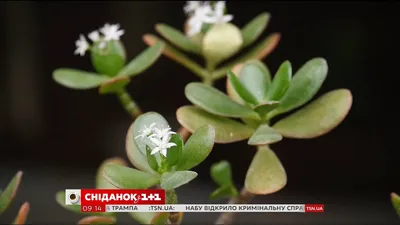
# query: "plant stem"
128,103
208,79
173,217
227,217
133,109
177,56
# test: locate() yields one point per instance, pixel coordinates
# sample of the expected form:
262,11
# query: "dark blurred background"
59,136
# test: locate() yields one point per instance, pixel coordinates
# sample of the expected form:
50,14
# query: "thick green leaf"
143,217
160,218
230,91
114,85
89,220
259,51
227,191
266,107
135,156
177,56
317,118
221,173
22,214
109,60
128,178
143,61
145,120
197,147
226,130
261,67
242,91
253,123
266,174
8,194
151,159
264,135
395,202
178,38
256,78
305,84
101,183
281,82
78,79
254,28
174,153
214,101
172,180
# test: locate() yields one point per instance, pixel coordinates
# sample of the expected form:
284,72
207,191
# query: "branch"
129,104
174,218
134,110
177,56
227,217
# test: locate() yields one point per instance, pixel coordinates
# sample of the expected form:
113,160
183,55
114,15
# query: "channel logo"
72,196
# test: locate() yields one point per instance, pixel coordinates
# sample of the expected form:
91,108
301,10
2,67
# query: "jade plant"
255,99
208,33
162,160
248,112
108,58
7,196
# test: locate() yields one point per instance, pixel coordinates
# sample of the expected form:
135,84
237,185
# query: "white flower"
108,33
102,45
160,133
81,45
161,145
218,14
191,6
94,36
111,32
196,21
195,25
146,131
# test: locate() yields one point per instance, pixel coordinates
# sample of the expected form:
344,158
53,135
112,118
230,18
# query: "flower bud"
221,42
109,57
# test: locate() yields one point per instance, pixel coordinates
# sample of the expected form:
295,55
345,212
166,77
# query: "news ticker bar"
123,200
286,208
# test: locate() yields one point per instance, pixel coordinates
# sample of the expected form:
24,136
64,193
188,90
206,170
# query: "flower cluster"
160,137
203,13
104,34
